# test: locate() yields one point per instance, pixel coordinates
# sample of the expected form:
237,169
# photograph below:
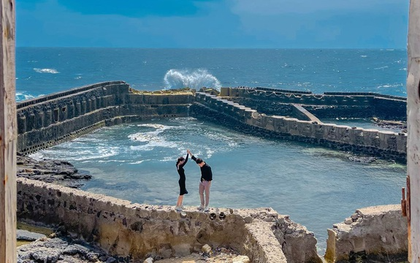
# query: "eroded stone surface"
61,249
218,255
375,232
50,171
25,235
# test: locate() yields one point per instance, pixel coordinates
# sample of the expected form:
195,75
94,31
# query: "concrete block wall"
378,143
327,105
390,108
136,231
55,118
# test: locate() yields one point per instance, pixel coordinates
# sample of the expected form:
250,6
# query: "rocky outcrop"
295,238
61,249
376,233
61,246
50,171
25,235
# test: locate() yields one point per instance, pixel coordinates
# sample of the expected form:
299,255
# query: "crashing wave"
194,79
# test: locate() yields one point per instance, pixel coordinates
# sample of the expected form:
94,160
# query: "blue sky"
212,23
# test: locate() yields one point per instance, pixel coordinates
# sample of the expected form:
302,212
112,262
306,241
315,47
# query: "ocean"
316,187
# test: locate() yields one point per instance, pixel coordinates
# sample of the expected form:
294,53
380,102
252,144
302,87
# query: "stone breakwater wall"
49,120
384,144
137,231
327,105
376,233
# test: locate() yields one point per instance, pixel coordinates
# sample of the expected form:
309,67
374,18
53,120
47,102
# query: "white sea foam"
209,152
219,137
90,139
151,145
142,137
37,156
152,138
168,159
111,161
137,162
46,70
21,96
102,153
81,154
195,79
151,135
152,125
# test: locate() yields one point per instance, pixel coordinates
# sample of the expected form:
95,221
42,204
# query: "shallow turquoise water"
317,187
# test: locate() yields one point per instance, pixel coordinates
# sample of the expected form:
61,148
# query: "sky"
212,23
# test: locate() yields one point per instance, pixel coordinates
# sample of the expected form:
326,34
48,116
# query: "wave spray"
194,79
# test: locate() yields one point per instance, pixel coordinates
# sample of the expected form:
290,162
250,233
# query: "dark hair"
180,159
199,160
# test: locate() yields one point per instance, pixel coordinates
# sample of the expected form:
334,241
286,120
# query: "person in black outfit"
182,189
205,182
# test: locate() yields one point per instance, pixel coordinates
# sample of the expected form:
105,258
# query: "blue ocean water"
47,70
317,187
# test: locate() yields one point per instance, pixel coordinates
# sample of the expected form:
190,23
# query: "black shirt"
206,173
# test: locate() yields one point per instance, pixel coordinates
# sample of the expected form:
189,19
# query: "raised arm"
192,156
183,162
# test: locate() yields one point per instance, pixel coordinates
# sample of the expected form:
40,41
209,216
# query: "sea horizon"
53,69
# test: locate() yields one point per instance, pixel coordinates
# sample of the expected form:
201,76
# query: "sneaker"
200,208
178,208
206,209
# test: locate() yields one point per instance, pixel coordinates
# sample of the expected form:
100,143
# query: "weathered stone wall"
137,231
52,119
388,145
378,233
59,117
327,105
